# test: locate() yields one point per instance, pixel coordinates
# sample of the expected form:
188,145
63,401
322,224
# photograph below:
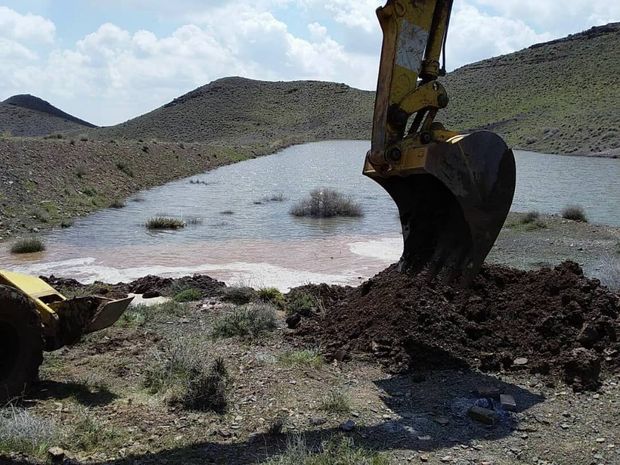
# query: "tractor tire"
21,343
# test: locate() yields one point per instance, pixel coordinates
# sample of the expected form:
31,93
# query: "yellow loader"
35,317
453,192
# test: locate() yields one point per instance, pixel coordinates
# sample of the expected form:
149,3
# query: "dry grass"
337,451
22,431
28,245
336,401
609,271
164,222
574,213
250,320
326,203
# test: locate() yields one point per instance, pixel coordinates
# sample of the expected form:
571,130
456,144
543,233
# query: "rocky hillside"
35,103
254,113
29,116
557,97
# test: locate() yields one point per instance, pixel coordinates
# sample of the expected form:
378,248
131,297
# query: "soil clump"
551,321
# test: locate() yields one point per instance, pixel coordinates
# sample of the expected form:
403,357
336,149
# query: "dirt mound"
550,321
149,286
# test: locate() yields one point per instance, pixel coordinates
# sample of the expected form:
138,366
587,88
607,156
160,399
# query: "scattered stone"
423,458
293,321
347,426
521,361
483,415
317,421
491,392
508,402
224,433
600,440
424,438
340,355
565,426
443,421
446,459
56,454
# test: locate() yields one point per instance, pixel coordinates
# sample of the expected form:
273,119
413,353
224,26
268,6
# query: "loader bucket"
107,314
453,207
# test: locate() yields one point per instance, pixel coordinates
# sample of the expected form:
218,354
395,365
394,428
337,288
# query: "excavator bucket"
453,191
453,207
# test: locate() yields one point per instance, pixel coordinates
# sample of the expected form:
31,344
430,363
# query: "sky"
107,61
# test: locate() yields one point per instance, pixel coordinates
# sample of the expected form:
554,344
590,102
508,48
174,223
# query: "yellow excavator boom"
453,191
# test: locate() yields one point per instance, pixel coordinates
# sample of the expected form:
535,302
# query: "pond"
240,228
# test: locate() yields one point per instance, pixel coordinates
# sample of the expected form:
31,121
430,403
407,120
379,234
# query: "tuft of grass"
164,222
326,203
279,197
300,302
250,320
89,434
574,213
26,433
80,171
27,245
117,204
238,295
530,217
336,401
188,295
308,358
186,379
536,224
271,295
125,168
338,450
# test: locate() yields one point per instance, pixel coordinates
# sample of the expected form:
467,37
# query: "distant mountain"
244,111
26,115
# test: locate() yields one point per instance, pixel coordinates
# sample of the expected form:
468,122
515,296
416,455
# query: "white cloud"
26,27
112,74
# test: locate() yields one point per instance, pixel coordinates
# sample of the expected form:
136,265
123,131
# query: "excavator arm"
453,191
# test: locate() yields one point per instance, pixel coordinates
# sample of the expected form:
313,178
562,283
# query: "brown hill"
24,122
246,111
35,103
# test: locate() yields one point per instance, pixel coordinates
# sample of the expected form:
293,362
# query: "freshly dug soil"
550,321
149,286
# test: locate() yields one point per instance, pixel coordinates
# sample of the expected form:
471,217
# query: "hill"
29,116
35,103
557,97
251,112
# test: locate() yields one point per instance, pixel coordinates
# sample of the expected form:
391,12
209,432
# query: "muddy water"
240,230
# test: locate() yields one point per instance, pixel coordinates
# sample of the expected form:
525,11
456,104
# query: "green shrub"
530,217
336,451
326,203
239,295
28,245
188,295
574,213
536,224
250,320
89,434
163,222
300,302
336,401
271,295
80,171
183,374
117,204
308,358
124,167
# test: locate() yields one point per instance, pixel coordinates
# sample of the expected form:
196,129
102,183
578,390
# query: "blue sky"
110,60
